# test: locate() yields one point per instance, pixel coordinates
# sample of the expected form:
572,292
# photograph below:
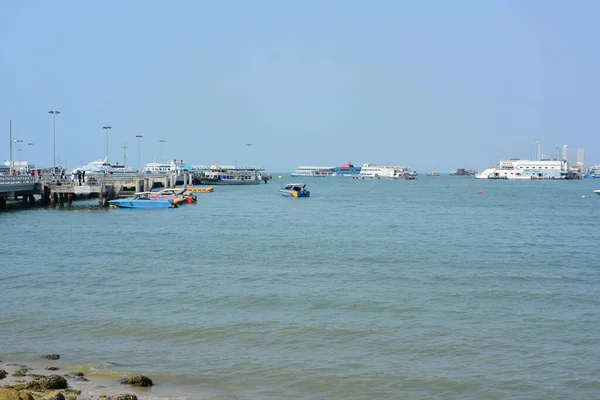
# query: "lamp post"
29,162
19,153
54,114
106,128
139,138
162,148
12,161
124,154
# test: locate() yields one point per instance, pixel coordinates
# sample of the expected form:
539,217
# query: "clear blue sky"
435,85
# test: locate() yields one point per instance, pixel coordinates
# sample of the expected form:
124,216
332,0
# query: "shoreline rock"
138,380
37,384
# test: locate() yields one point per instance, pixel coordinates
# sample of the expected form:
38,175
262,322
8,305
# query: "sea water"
447,288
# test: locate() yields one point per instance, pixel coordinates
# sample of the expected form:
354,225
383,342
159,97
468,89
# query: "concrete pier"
53,191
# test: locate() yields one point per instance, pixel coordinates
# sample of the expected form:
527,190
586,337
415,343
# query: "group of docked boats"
166,198
173,198
366,171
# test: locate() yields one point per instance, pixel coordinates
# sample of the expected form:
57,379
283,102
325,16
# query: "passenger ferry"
347,169
374,171
103,166
230,175
516,169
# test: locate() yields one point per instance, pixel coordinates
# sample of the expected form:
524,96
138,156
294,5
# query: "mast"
11,159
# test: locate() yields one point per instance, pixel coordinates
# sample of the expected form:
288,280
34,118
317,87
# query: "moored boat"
294,190
374,171
347,169
178,195
192,189
143,200
230,175
463,172
517,169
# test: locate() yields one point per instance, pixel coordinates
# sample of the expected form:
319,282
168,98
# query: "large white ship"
516,169
374,171
347,169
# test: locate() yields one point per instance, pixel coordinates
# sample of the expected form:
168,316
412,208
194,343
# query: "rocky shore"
50,382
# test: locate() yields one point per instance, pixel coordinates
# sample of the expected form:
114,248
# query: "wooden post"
53,198
70,199
2,203
31,199
61,199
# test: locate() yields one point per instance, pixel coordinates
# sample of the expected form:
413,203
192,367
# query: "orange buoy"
480,192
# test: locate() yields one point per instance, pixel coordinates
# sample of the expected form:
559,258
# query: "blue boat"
143,200
294,190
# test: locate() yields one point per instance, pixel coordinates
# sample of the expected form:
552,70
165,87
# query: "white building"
536,151
580,157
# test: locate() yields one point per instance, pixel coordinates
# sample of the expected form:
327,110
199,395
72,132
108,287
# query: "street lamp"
20,168
29,162
139,138
106,128
12,161
124,154
54,114
162,148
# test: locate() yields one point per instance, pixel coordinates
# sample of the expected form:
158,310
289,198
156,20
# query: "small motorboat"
597,191
191,189
144,200
178,195
294,190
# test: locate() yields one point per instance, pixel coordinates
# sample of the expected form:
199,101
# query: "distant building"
536,151
580,157
564,153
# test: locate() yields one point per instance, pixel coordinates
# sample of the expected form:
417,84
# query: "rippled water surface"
366,290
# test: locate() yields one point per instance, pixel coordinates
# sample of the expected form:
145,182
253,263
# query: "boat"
179,195
294,190
517,169
433,174
144,200
593,171
597,191
313,171
104,167
179,168
347,169
230,175
191,189
375,171
463,172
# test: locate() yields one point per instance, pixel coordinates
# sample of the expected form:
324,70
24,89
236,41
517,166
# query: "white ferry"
374,171
347,169
306,170
516,169
103,166
230,175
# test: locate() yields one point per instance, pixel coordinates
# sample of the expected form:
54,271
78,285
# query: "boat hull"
147,204
293,193
205,181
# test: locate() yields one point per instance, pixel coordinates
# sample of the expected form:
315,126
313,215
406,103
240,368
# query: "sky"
434,85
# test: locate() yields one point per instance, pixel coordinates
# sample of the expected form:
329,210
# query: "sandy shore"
84,385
